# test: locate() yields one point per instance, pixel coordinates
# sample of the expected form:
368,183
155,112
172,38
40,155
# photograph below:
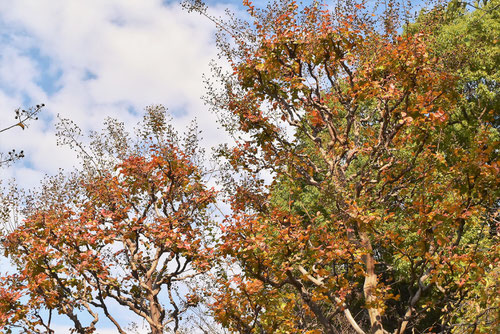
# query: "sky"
93,59
89,60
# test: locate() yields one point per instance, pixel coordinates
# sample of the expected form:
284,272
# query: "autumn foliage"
381,214
363,185
126,236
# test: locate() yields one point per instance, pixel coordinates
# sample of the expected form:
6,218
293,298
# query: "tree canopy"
382,140
363,185
126,230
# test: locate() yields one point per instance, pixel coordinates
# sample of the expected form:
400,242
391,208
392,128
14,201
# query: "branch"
315,308
413,301
347,313
23,116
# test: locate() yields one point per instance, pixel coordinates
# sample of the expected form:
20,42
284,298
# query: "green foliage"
384,203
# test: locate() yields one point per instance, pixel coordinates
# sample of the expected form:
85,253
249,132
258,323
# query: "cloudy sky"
90,59
87,60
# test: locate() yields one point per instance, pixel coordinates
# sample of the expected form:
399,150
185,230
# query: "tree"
22,117
382,212
127,229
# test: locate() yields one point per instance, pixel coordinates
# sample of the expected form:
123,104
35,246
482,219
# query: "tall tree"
382,210
127,229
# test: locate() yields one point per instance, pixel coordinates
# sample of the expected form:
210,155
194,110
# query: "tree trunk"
156,316
370,285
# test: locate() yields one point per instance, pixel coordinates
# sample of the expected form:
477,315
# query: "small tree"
127,229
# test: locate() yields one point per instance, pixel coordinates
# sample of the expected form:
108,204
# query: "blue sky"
87,60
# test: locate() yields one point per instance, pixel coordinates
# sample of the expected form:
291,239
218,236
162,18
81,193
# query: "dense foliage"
363,185
382,139
128,230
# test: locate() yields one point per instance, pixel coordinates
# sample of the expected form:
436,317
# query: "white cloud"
110,56
100,59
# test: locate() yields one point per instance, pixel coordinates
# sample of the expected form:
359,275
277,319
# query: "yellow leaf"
21,125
